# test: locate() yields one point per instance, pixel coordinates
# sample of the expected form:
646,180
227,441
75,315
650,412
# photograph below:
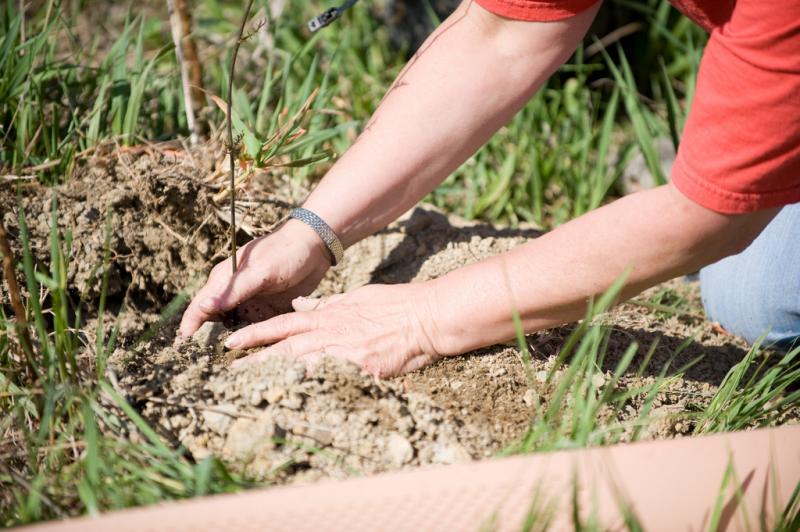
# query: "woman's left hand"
385,329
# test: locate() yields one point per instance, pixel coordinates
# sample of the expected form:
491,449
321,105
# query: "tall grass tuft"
756,392
576,405
71,443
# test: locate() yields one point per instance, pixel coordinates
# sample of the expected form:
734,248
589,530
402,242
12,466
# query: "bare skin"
418,135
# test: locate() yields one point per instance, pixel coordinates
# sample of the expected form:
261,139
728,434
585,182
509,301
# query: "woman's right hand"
272,270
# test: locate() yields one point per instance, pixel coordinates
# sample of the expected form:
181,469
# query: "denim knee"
758,290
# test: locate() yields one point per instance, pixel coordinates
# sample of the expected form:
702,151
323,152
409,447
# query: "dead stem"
19,479
232,148
186,55
21,321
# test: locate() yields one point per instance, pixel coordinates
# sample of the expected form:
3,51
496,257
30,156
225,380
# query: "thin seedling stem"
232,148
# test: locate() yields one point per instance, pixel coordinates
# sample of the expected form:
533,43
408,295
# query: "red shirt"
740,149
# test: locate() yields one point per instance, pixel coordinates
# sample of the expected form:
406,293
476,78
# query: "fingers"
241,286
306,304
197,313
310,344
273,330
226,290
257,309
416,363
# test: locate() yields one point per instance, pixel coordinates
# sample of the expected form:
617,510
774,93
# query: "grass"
72,443
560,157
85,448
582,410
585,406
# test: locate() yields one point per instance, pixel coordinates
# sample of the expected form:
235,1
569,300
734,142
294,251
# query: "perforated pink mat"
669,485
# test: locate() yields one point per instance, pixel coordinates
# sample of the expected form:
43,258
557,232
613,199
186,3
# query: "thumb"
243,285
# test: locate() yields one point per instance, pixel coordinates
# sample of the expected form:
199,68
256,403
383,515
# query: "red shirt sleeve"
740,148
536,10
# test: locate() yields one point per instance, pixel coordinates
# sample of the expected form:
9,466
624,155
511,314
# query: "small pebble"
217,421
209,334
399,450
293,402
498,372
528,397
452,453
274,395
293,376
255,398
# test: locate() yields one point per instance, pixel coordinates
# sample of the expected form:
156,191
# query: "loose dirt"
274,420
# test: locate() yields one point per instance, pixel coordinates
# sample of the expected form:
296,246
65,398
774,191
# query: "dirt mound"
164,228
275,422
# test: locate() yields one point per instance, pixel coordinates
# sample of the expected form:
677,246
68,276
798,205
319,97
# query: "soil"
275,421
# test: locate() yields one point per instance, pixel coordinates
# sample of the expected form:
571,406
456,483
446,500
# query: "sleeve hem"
724,201
536,11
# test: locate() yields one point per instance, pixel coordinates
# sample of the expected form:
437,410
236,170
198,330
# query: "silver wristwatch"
323,230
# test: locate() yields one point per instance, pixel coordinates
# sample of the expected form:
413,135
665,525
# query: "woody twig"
180,22
20,321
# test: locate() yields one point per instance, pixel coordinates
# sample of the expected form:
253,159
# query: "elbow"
528,49
712,236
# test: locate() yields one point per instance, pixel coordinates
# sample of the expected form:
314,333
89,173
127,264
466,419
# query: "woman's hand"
385,329
272,270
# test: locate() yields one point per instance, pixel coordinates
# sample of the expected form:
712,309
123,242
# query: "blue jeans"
758,290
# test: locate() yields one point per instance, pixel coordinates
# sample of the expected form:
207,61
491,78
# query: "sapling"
233,146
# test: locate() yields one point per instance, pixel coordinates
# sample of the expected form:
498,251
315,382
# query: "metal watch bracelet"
323,230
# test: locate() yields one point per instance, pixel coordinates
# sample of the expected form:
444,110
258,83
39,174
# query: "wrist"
300,232
460,319
323,230
442,326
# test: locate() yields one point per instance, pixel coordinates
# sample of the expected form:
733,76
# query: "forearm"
466,81
654,236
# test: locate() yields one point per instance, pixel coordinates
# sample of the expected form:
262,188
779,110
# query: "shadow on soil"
405,260
703,362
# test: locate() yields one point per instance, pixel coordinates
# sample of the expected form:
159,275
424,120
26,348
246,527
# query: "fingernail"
233,342
305,303
208,305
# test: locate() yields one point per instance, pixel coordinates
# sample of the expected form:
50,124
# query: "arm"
417,137
468,79
657,234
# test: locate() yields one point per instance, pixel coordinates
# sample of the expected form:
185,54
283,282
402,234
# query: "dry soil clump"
277,421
